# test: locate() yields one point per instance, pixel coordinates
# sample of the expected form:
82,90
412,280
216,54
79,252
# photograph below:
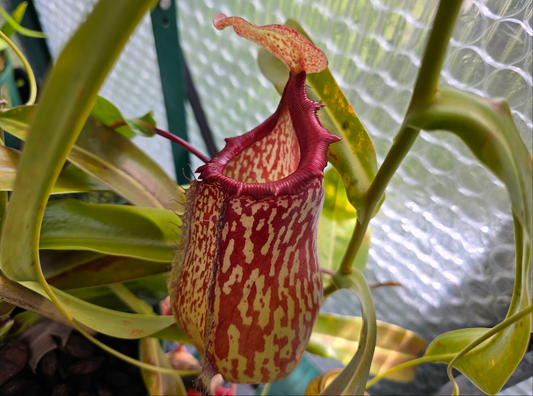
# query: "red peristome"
245,285
290,46
313,142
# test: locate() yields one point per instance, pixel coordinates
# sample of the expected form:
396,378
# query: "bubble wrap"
445,230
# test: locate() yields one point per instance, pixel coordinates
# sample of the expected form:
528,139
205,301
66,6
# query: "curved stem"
29,71
356,240
330,289
187,146
106,348
400,148
44,284
131,299
519,257
424,93
510,320
266,388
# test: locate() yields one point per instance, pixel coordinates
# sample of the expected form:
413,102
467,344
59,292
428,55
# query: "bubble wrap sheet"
445,230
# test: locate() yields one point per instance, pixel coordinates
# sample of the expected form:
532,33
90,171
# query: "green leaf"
150,351
337,337
79,269
352,379
144,125
337,222
13,22
151,289
107,113
273,69
354,157
57,263
336,204
452,342
70,180
112,159
106,321
486,356
130,231
487,128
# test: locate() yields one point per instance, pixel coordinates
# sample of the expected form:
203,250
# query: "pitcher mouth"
308,160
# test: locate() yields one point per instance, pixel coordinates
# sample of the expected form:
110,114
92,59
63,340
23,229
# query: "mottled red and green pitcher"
245,284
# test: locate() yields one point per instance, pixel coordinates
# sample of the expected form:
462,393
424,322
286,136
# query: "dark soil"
78,369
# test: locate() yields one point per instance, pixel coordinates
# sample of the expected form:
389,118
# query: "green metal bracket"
165,27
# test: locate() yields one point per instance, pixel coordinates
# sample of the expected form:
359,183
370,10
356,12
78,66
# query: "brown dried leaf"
43,338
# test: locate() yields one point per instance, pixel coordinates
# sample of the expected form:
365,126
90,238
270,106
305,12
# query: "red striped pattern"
245,284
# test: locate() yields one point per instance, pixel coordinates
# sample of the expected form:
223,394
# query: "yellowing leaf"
71,179
337,337
337,222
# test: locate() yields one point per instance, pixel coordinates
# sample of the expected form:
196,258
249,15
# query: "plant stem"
329,289
266,388
187,146
141,307
427,82
426,87
353,247
131,299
